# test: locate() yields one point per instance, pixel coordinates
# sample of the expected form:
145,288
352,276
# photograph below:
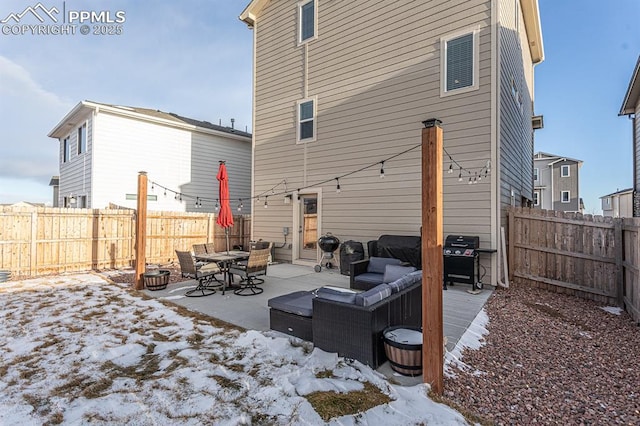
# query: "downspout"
635,211
253,130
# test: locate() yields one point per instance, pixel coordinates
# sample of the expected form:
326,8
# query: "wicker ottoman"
291,314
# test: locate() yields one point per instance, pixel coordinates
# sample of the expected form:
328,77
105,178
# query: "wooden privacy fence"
45,240
589,256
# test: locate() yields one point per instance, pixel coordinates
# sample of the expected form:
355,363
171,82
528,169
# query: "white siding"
77,171
178,159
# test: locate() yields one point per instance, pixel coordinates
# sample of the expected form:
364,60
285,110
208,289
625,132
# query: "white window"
536,173
459,63
307,20
536,198
564,171
82,138
565,196
307,120
66,150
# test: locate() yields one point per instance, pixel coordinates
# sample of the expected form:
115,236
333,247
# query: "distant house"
103,147
55,184
618,204
335,94
556,182
631,108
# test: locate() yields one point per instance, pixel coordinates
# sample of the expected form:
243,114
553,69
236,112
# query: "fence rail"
589,256
45,240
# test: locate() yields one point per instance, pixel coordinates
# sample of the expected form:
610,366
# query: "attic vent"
537,122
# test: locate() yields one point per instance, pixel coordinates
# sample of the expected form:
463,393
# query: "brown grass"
469,415
332,404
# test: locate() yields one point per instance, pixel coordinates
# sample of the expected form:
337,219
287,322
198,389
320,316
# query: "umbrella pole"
226,232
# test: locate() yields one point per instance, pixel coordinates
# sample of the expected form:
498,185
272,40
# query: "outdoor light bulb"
460,176
265,203
488,166
197,203
450,168
337,186
382,170
165,192
470,181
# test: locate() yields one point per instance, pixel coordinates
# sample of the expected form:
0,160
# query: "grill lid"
462,241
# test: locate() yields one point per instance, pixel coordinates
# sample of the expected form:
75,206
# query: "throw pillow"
393,272
405,281
377,264
373,296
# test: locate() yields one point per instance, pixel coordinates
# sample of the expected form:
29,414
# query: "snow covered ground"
79,349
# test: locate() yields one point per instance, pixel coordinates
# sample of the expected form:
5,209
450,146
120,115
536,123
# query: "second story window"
307,120
564,171
565,197
82,138
536,198
66,150
459,63
306,20
536,173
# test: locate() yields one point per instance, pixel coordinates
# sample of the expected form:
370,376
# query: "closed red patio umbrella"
225,216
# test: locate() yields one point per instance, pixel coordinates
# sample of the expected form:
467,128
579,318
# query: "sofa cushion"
377,264
405,281
336,294
369,278
373,296
393,272
298,303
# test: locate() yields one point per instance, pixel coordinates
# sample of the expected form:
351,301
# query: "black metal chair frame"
204,274
256,265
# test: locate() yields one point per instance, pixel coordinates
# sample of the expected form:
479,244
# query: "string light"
217,206
475,174
338,185
450,168
266,205
240,205
460,175
382,169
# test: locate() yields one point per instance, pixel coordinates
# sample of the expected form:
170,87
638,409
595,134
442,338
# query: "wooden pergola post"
432,261
141,231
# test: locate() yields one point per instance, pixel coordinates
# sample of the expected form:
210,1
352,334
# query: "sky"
187,372
194,58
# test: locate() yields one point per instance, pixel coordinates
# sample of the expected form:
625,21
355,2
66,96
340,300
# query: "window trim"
536,198
315,21
313,99
476,62
82,144
564,167
562,197
536,173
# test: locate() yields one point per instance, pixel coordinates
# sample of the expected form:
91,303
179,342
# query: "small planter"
403,347
156,280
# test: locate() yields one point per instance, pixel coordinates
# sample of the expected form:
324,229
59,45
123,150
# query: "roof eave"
250,13
59,130
633,92
531,13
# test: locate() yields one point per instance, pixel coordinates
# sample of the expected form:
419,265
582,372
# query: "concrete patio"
251,312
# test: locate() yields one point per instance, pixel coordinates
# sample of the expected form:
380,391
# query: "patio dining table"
225,258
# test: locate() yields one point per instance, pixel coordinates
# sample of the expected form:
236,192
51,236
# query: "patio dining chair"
255,266
210,247
205,274
199,249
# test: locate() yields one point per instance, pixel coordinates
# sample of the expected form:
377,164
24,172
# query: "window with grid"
536,173
564,171
307,20
565,196
306,120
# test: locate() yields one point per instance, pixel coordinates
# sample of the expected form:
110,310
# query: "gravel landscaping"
551,359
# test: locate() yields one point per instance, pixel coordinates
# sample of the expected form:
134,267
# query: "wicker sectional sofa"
350,323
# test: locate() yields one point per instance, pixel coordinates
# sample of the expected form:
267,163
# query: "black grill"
461,261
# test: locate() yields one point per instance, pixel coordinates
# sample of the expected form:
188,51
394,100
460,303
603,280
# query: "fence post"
141,230
432,260
33,258
619,254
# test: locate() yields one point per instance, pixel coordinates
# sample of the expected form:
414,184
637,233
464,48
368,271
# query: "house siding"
78,170
636,163
568,183
516,132
179,159
376,80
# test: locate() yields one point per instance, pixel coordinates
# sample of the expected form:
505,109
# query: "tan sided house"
341,90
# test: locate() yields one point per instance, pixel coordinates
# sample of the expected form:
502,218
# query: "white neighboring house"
618,204
103,147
